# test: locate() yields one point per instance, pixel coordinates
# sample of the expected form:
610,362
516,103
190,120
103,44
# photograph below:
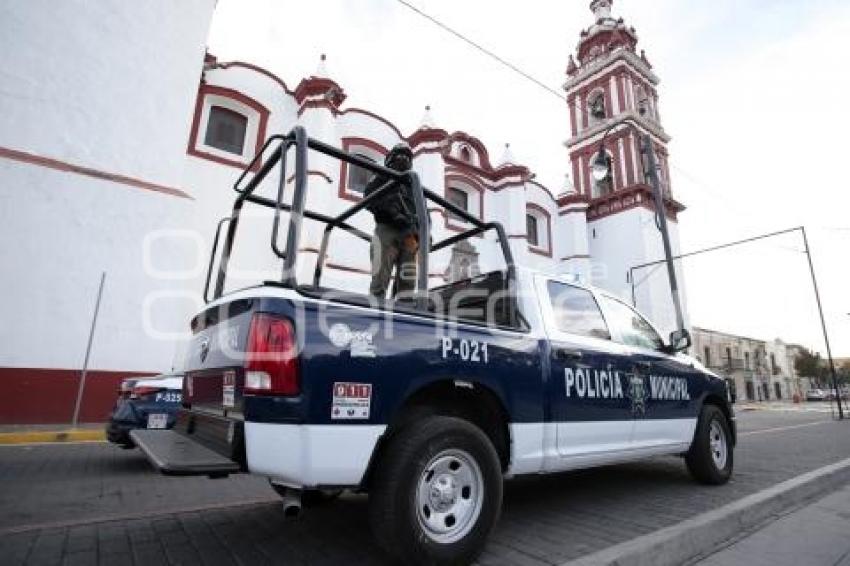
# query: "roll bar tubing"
245,186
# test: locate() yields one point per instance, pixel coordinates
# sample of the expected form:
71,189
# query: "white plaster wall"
630,238
571,232
59,235
107,84
110,86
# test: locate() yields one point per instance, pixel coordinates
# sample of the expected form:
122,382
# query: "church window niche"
644,106
596,107
465,154
604,186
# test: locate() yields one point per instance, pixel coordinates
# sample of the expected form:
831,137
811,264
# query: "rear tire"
710,458
436,493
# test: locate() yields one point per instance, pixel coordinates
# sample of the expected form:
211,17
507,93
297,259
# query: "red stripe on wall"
50,163
47,396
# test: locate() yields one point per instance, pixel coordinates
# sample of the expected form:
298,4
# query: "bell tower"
611,87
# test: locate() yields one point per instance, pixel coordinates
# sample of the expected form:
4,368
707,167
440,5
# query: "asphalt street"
94,503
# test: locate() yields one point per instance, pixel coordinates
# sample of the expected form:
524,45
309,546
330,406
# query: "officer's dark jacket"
396,207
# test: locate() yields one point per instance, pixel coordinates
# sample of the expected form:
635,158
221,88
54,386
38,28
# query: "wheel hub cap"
717,444
449,496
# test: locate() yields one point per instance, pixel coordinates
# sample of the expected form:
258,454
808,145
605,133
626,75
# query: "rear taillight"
271,363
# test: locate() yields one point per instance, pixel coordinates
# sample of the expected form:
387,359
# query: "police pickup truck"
426,402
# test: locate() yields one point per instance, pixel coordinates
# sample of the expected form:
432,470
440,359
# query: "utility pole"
823,326
81,388
808,253
661,214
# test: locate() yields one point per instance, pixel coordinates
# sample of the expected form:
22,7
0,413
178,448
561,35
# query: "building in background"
761,370
120,143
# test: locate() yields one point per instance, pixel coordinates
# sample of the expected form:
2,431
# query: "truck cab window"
629,327
576,311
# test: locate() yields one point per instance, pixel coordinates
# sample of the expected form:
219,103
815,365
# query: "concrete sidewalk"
817,534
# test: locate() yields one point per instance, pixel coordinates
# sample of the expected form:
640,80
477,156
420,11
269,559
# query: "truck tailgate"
199,444
174,454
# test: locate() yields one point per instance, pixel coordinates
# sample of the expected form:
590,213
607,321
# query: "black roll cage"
297,138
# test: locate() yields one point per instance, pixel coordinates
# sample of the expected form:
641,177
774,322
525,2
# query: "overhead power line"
527,76
482,49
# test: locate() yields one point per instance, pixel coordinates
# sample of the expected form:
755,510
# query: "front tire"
710,458
436,493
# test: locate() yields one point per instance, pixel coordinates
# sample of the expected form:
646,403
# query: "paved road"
96,503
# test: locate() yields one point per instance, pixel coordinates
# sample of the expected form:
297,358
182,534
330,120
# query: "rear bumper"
294,455
311,455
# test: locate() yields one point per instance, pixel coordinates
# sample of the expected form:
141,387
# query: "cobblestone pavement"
97,504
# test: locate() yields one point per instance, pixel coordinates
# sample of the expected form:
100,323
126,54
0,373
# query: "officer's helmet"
401,149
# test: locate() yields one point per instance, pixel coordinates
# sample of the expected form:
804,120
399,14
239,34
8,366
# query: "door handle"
568,354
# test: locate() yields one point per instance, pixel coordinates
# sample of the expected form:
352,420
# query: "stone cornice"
629,115
587,70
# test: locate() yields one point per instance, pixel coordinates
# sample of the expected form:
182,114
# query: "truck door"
667,410
587,395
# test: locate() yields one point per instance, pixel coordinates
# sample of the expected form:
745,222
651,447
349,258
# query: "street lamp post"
600,170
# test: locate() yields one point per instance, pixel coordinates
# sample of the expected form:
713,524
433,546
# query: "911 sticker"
228,389
351,401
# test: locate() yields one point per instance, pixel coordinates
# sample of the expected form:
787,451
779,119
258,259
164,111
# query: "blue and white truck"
426,402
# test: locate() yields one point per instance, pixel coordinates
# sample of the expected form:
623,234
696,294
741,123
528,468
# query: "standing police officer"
395,242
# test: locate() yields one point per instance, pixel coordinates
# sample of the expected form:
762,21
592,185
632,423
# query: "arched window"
465,154
226,130
465,193
353,179
538,228
359,177
532,229
228,127
458,197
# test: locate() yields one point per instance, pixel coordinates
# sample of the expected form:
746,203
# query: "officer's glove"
411,243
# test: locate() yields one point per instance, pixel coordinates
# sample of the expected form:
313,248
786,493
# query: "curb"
70,435
703,533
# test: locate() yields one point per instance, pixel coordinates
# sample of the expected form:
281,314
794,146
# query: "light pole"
600,169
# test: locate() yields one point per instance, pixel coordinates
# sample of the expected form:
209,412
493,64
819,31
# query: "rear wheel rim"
449,496
717,444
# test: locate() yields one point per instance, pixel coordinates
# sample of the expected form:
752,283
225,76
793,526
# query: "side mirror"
680,340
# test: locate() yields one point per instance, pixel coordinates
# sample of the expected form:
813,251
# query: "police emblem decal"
637,393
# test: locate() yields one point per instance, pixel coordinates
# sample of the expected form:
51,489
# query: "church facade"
136,191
